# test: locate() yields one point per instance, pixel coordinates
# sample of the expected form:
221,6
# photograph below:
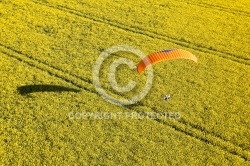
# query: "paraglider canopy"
163,56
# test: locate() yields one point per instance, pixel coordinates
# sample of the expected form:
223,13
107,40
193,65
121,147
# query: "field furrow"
141,30
222,36
183,127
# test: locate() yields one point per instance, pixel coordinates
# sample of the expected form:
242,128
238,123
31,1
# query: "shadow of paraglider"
27,89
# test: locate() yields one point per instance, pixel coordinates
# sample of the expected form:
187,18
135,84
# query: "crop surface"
47,52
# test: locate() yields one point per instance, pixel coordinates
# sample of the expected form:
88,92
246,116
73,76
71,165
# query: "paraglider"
163,56
166,97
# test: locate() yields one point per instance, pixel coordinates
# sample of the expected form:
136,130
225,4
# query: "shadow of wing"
23,90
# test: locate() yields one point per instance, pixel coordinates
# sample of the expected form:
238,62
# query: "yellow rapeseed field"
47,52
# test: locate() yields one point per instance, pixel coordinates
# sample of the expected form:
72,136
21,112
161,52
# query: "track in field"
181,126
141,31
